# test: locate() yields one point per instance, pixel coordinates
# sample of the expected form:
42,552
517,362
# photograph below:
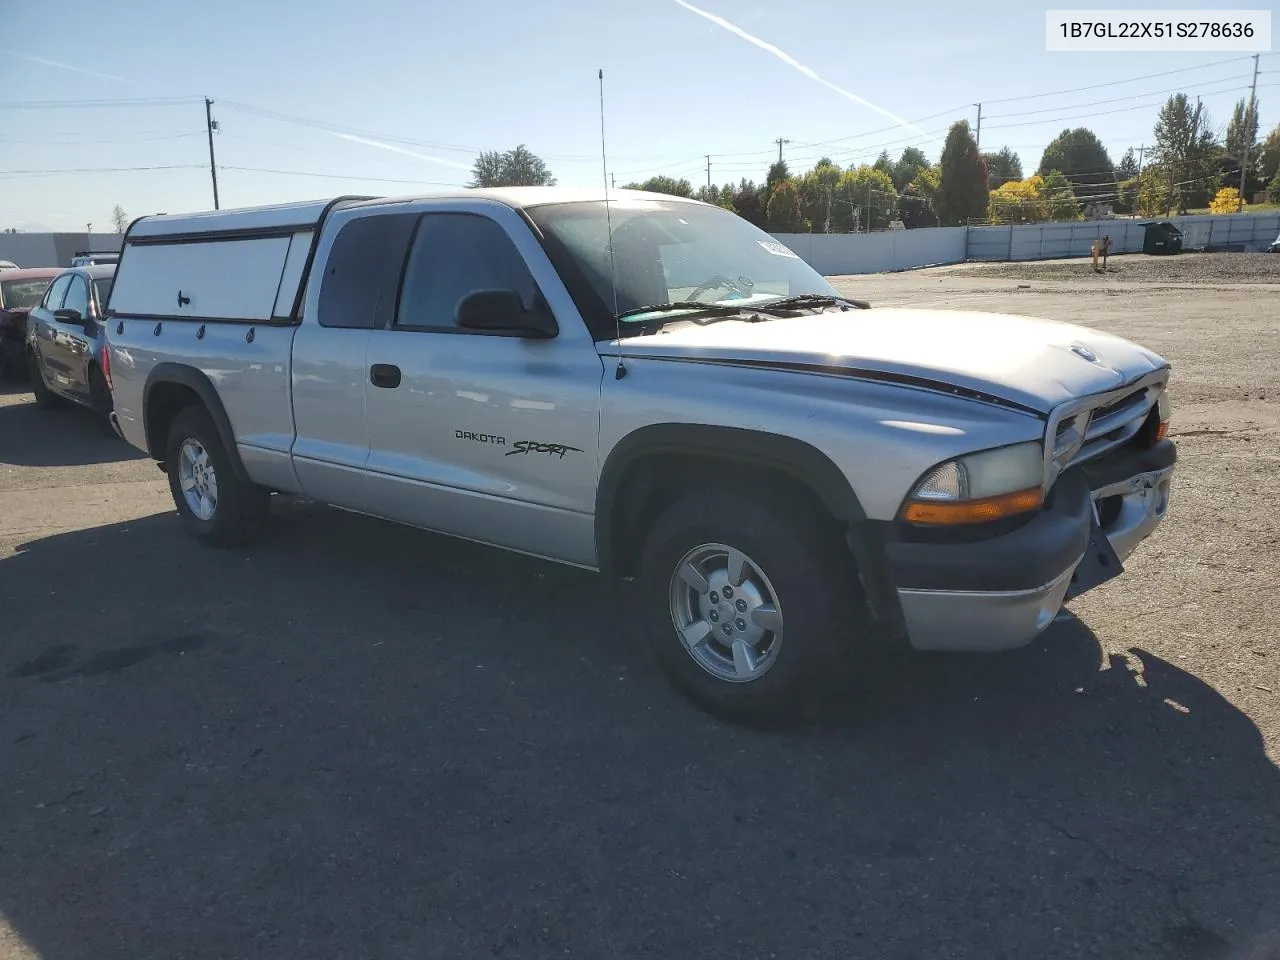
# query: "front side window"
57,290
453,255
77,297
662,252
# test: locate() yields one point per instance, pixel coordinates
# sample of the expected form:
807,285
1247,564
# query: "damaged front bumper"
1001,592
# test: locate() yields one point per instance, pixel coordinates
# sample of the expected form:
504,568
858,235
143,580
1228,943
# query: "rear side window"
363,271
455,254
57,290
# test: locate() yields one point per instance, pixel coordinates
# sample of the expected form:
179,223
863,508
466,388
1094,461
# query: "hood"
1021,361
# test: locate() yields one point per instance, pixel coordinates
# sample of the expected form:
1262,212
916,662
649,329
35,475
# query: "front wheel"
753,601
215,505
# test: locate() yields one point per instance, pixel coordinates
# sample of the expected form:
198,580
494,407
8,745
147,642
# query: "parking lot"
358,740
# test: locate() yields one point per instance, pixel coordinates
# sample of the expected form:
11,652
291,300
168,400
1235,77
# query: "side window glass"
57,290
363,269
455,254
77,297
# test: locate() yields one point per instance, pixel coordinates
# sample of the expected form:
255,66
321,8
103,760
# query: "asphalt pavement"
353,739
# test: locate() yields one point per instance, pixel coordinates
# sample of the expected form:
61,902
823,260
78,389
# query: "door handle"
384,375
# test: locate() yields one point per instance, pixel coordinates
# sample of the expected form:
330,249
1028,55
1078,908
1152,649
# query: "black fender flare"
794,458
199,383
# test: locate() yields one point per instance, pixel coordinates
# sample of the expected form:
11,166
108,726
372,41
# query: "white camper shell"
239,265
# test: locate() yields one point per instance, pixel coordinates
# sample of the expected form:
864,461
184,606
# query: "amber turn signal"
974,511
1162,431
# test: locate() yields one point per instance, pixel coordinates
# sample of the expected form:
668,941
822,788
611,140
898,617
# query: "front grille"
1089,427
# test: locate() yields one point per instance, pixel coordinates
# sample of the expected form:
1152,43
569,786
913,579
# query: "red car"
20,290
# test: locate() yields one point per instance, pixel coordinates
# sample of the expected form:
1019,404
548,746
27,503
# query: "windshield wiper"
810,300
706,311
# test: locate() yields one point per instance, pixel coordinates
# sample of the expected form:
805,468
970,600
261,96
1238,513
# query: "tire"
793,563
39,389
230,511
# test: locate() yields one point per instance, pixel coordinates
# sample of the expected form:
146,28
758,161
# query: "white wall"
833,254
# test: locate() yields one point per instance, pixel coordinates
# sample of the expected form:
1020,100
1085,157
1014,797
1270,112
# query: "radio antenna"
621,371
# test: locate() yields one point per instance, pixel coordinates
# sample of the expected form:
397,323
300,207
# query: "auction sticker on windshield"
778,249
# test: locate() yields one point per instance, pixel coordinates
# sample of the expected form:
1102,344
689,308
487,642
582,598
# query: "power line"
1101,113
1132,96
71,104
1114,83
53,172
84,141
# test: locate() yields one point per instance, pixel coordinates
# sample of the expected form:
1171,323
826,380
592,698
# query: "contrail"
807,71
394,149
66,66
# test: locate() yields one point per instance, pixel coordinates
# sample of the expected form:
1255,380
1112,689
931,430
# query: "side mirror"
504,311
69,316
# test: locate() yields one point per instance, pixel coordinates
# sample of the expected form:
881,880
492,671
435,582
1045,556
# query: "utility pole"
88,237
210,126
708,171
780,142
1252,109
613,182
978,137
868,206
1137,190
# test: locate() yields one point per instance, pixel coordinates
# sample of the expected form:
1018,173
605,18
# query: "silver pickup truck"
652,388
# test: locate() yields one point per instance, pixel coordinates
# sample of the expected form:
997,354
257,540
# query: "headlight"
979,487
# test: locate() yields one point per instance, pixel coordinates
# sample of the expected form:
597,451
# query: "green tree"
1269,156
777,171
1080,156
119,219
962,193
784,208
663,184
816,190
1273,191
1185,149
864,198
1242,129
1152,191
884,164
1060,197
908,167
747,203
718,196
518,167
1002,167
1127,183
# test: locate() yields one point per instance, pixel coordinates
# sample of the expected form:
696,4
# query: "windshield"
22,294
666,252
102,290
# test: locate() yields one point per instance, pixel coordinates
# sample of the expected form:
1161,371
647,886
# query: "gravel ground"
1213,268
357,740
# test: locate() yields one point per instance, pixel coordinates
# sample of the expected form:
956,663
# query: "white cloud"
394,149
807,71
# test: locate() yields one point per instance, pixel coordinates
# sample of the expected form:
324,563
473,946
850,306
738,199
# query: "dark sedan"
20,290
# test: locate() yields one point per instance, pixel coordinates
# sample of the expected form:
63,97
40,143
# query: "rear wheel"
752,601
39,389
216,506
100,399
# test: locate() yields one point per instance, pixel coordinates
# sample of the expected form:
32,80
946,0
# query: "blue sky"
445,80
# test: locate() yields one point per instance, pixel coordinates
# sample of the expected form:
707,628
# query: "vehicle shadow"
34,437
358,739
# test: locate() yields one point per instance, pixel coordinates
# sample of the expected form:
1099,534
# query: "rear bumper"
1002,592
